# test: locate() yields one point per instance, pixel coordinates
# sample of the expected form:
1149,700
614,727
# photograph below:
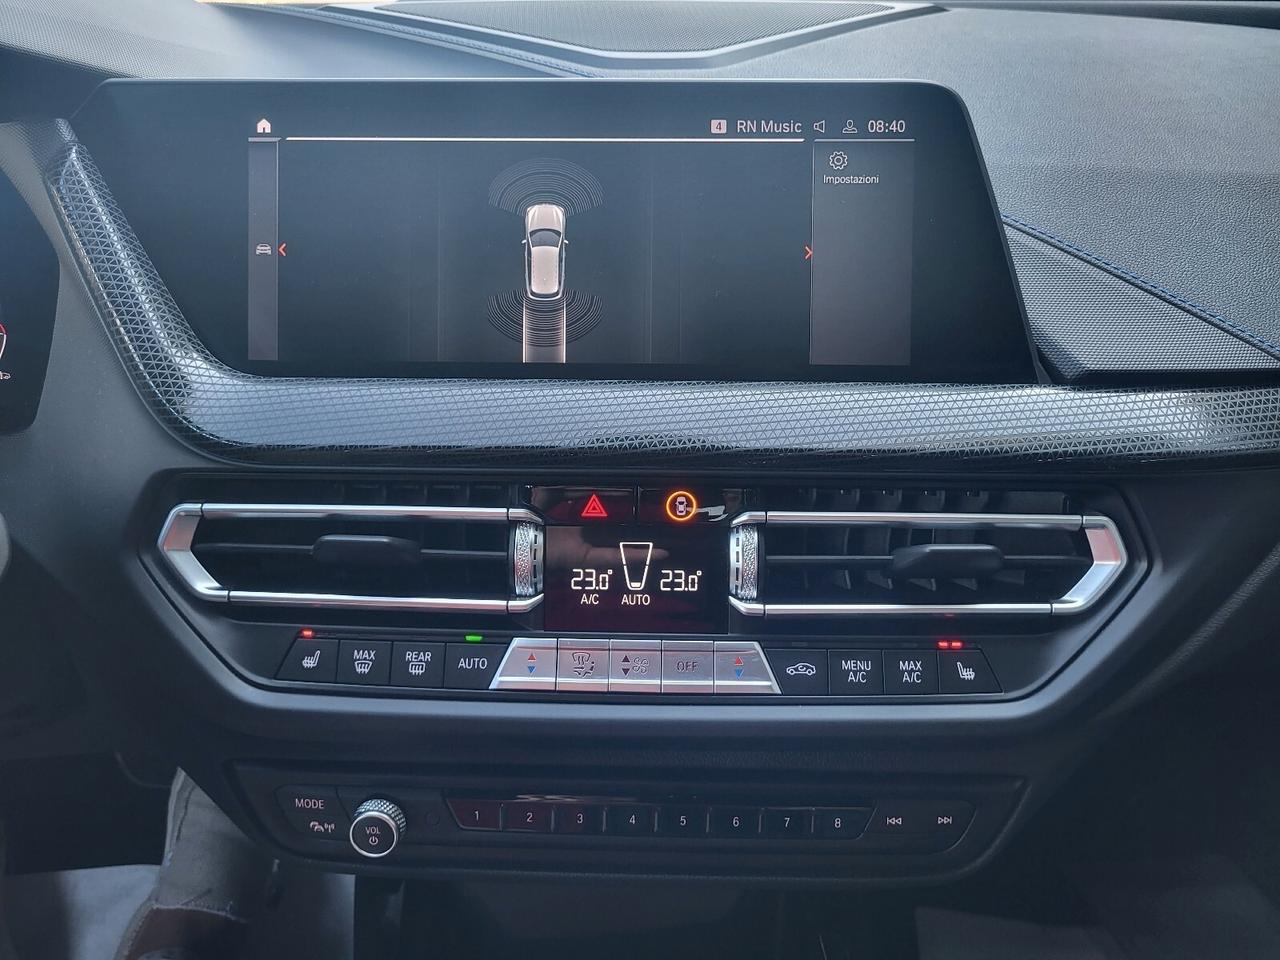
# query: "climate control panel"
566,666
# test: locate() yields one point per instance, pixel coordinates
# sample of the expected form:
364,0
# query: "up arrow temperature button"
529,664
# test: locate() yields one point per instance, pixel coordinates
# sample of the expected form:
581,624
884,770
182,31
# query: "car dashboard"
610,458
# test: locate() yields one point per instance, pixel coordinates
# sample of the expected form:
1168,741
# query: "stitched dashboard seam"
447,40
1148,286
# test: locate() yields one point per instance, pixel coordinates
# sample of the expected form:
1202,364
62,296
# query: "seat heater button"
529,664
635,666
471,666
314,660
965,671
583,666
741,668
688,666
364,661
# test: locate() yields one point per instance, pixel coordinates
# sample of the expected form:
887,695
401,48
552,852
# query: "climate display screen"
636,579
735,230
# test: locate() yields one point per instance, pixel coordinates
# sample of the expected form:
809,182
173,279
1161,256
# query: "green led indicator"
474,638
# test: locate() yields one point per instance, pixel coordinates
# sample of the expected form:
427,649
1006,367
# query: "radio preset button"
529,664
635,666
583,666
580,818
840,822
681,820
629,819
735,821
788,822
477,814
688,666
527,817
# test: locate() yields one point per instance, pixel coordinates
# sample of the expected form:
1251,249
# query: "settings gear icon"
838,160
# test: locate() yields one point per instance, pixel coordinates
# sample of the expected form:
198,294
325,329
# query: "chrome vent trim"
526,559
744,561
177,539
1106,547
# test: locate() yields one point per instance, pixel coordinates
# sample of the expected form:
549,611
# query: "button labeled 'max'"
364,661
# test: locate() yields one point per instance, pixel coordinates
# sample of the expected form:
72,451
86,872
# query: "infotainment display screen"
571,228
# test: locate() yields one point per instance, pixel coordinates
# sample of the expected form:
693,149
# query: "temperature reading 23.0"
635,578
680,581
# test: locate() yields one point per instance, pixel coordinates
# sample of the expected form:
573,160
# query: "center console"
621,595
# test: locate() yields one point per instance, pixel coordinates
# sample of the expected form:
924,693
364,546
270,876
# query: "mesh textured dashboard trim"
485,422
1088,321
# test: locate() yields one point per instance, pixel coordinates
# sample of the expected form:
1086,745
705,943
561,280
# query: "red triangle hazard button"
594,510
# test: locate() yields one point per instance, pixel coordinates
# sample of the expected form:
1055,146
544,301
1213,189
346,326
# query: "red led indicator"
950,644
594,510
306,633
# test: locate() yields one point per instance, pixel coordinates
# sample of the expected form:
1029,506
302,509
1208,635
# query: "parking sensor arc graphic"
546,180
583,313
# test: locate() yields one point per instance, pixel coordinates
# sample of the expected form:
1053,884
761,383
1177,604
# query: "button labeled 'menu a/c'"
855,673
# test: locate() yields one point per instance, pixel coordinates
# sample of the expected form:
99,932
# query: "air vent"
366,556
859,552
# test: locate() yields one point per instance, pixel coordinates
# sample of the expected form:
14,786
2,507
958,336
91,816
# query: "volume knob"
376,828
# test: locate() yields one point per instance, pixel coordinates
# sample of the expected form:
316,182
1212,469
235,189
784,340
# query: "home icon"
264,125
